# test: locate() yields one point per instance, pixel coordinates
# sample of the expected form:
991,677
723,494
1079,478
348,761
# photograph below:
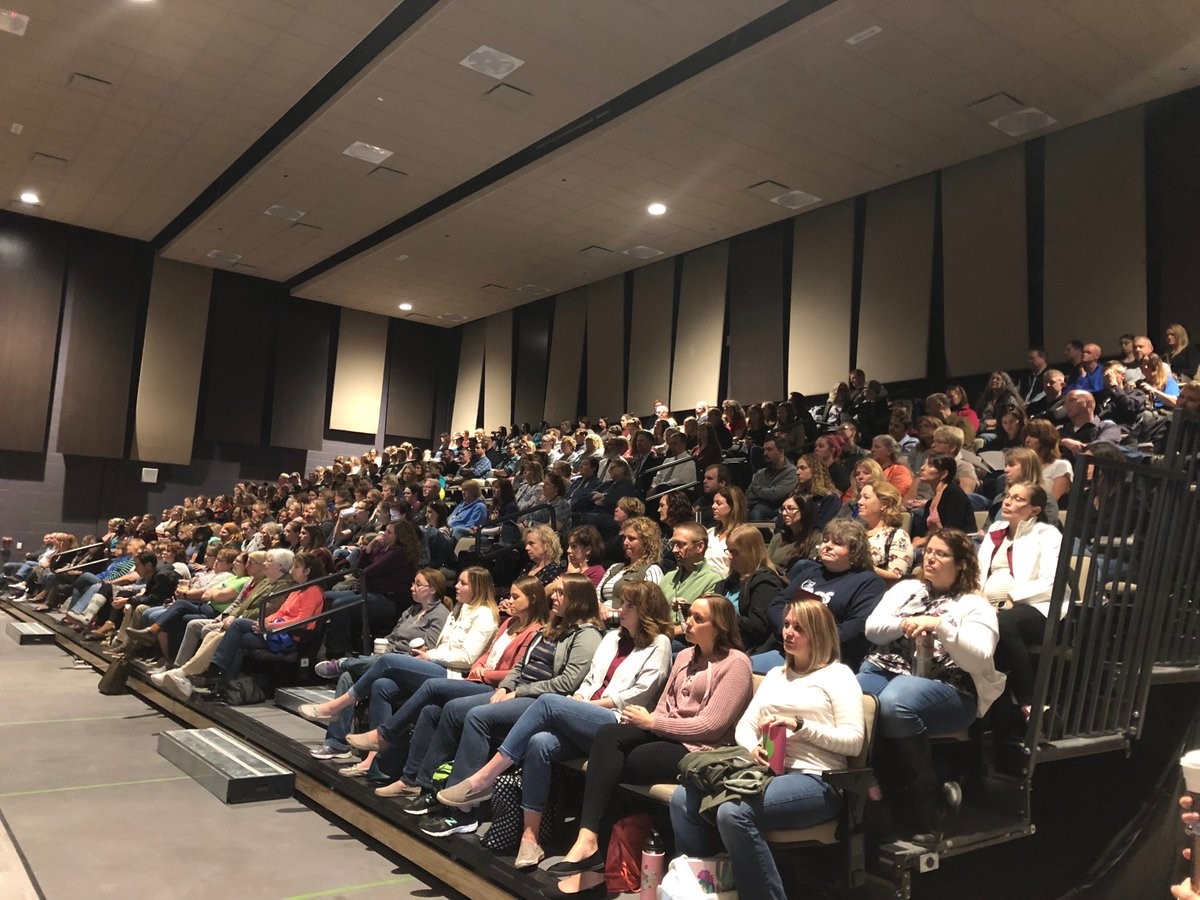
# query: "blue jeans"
83,590
239,637
909,705
343,723
762,663
551,726
793,800
407,673
465,734
435,692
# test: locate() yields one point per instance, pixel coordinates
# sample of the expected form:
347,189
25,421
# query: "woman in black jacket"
752,584
949,506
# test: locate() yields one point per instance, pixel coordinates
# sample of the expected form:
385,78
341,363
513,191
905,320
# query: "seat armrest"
856,781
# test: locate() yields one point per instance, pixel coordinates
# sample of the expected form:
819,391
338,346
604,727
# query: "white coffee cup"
381,646
1190,763
416,644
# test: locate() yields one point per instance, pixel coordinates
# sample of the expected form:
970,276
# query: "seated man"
471,513
692,576
684,470
1121,401
948,441
772,484
1082,426
715,476
1032,383
579,495
1050,404
479,466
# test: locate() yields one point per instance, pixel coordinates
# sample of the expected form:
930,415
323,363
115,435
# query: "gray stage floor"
92,810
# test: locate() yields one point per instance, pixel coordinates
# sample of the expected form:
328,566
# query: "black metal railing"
516,517
360,602
1120,590
1180,646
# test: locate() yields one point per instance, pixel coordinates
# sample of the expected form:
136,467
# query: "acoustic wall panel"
696,373
822,282
32,268
172,359
756,333
106,283
566,356
242,323
606,347
358,373
533,357
985,285
497,370
470,378
650,336
897,277
301,374
414,353
1095,232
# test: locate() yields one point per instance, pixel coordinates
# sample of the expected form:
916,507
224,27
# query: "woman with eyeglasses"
1017,561
931,668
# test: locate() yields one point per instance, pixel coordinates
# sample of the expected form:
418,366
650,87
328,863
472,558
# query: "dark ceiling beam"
378,41
765,26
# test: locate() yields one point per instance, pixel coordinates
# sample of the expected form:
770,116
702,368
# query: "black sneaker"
421,805
452,821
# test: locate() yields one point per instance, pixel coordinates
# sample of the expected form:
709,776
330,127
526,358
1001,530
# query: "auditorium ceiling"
509,148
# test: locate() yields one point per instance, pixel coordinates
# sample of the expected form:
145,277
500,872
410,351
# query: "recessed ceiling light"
283,212
367,152
490,62
30,197
402,257
452,317
407,307
863,35
796,199
13,22
224,256
656,209
1023,121
641,251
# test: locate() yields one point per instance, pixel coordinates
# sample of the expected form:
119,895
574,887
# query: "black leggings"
624,753
1021,627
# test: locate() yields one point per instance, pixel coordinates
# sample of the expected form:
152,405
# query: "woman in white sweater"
932,671
1017,561
818,702
467,633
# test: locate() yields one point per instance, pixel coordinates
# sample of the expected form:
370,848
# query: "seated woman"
1017,561
1011,430
643,549
545,555
707,451
1043,438
1021,466
388,566
948,507
243,634
816,699
312,540
471,513
753,583
865,471
555,662
528,485
1158,382
554,493
960,407
729,511
799,536
829,414
880,510
885,450
628,670
529,612
708,686
627,508
998,397
438,546
844,577
470,627
945,613
585,548
814,484
604,500
424,619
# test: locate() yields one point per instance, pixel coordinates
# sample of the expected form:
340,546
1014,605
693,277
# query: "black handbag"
115,676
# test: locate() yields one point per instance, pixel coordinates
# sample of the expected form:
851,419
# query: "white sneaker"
159,679
177,684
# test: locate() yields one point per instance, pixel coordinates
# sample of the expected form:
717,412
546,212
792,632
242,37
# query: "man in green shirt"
692,576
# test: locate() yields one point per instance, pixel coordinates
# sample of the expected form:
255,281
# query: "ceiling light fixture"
367,152
13,22
796,199
30,197
863,35
283,212
641,251
490,62
406,307
657,209
1023,121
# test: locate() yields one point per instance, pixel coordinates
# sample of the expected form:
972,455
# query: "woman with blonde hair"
1043,439
819,704
866,471
881,511
1181,356
1158,382
814,484
752,584
1021,466
642,541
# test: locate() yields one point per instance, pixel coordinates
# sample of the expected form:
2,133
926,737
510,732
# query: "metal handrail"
672,490
83,565
332,576
669,465
74,550
515,518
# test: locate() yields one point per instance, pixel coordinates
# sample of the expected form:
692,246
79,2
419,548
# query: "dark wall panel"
240,356
32,269
756,304
412,355
301,374
533,359
108,282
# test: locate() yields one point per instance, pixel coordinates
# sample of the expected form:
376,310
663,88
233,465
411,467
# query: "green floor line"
60,721
92,787
351,888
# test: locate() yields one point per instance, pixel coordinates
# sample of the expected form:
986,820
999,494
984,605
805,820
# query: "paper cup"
1190,763
381,646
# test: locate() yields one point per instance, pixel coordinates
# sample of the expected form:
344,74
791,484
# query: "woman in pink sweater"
706,691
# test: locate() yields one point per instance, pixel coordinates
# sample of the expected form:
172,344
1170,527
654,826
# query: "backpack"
508,819
623,865
115,676
242,690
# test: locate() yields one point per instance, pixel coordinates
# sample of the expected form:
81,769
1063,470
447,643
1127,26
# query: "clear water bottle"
923,657
654,865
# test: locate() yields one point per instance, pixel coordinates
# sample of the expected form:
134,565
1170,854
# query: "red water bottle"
654,865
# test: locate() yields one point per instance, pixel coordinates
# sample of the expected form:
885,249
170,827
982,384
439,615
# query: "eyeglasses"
941,555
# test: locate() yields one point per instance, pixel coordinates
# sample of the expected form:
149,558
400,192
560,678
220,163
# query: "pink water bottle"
654,865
